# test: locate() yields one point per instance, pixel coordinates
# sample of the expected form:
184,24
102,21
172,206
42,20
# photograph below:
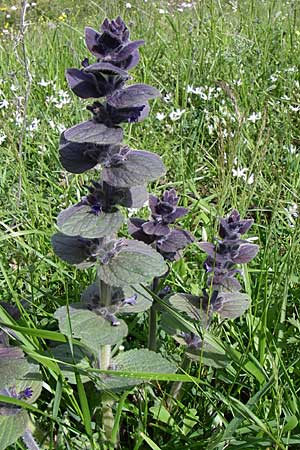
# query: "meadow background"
227,128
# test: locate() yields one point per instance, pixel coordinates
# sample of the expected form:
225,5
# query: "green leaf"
290,423
92,329
233,305
80,358
138,168
12,427
208,356
138,360
32,379
134,263
13,366
189,304
81,221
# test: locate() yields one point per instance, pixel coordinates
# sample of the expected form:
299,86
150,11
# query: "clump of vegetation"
131,273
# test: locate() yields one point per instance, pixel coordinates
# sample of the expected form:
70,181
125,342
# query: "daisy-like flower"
44,83
243,173
167,98
176,115
2,138
128,5
34,125
254,117
160,116
4,104
294,108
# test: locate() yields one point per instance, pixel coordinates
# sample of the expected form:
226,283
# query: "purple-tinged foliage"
113,44
76,250
232,227
79,157
96,80
226,253
164,212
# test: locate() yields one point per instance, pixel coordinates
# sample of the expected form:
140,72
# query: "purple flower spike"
232,250
157,230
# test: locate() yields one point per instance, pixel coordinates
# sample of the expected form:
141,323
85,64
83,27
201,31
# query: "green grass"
253,54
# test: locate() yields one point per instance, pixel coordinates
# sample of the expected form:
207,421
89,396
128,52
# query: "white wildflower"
52,124
13,8
254,117
18,119
292,213
292,149
4,104
167,98
44,83
291,69
128,5
243,173
2,138
175,115
294,108
60,127
160,116
162,11
34,125
210,129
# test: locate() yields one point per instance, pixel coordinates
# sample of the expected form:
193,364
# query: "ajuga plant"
130,273
88,230
124,267
222,294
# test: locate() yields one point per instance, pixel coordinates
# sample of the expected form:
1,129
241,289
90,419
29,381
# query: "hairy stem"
29,441
153,319
105,296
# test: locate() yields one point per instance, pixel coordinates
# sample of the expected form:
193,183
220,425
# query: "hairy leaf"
136,168
75,249
13,366
92,329
12,427
134,263
82,84
80,220
189,304
95,133
81,360
231,305
137,94
78,157
137,360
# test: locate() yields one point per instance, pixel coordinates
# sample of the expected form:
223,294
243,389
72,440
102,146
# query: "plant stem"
177,385
153,319
105,299
105,296
29,441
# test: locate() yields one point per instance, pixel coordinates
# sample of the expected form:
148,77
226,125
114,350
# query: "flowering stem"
29,441
153,319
